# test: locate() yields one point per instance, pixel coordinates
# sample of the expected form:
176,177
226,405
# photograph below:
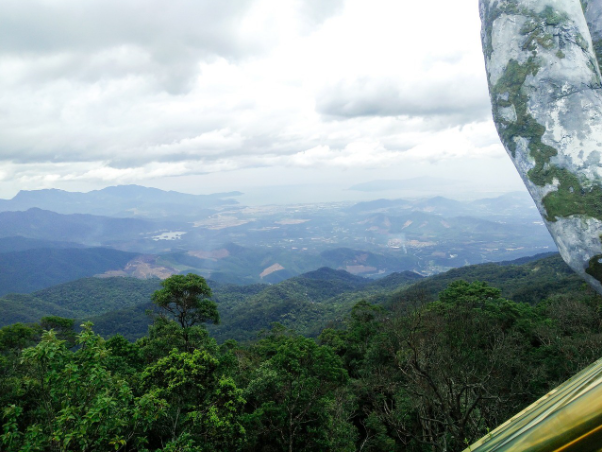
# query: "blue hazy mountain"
120,201
84,229
274,243
25,271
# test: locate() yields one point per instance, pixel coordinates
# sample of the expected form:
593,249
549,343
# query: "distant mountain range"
121,201
383,185
19,243
514,205
244,245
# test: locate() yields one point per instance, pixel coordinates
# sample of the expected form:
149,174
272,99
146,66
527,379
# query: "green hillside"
80,299
306,303
94,296
26,308
528,282
314,300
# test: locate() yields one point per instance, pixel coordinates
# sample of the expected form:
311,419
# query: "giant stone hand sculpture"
543,61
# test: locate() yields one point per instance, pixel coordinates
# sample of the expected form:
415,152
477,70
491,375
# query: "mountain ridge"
120,201
304,303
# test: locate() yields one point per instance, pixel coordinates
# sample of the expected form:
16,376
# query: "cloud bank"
125,91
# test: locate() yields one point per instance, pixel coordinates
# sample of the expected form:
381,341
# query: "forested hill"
306,303
524,280
402,365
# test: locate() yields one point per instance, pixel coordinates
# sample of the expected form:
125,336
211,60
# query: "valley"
231,243
357,283
301,265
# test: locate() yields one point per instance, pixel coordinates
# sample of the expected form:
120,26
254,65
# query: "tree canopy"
419,376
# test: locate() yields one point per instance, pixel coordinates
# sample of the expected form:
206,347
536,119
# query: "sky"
280,99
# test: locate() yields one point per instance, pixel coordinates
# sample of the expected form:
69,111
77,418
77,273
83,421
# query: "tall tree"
186,298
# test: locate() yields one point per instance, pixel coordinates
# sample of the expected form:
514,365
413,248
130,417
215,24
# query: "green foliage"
594,267
292,394
185,298
88,297
17,337
82,299
70,401
432,373
63,328
165,335
203,407
307,303
531,282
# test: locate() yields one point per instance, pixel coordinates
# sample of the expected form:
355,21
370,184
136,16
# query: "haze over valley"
162,233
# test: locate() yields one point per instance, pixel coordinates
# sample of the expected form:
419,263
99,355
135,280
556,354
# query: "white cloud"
114,91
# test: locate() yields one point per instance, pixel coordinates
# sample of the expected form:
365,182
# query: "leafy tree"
13,339
203,406
165,335
16,337
125,358
292,396
365,321
185,298
457,356
70,401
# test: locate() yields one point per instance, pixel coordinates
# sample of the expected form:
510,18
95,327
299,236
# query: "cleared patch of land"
270,270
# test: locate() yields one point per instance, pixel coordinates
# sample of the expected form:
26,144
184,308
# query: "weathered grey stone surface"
544,80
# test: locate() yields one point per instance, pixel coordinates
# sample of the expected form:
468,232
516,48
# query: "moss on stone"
581,41
510,85
536,23
546,41
552,17
570,198
529,27
494,11
542,173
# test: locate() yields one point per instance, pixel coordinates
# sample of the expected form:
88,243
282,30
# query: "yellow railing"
569,418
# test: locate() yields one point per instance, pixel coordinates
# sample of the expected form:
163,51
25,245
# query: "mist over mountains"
120,201
213,235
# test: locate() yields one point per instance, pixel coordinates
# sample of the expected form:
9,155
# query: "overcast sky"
211,96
